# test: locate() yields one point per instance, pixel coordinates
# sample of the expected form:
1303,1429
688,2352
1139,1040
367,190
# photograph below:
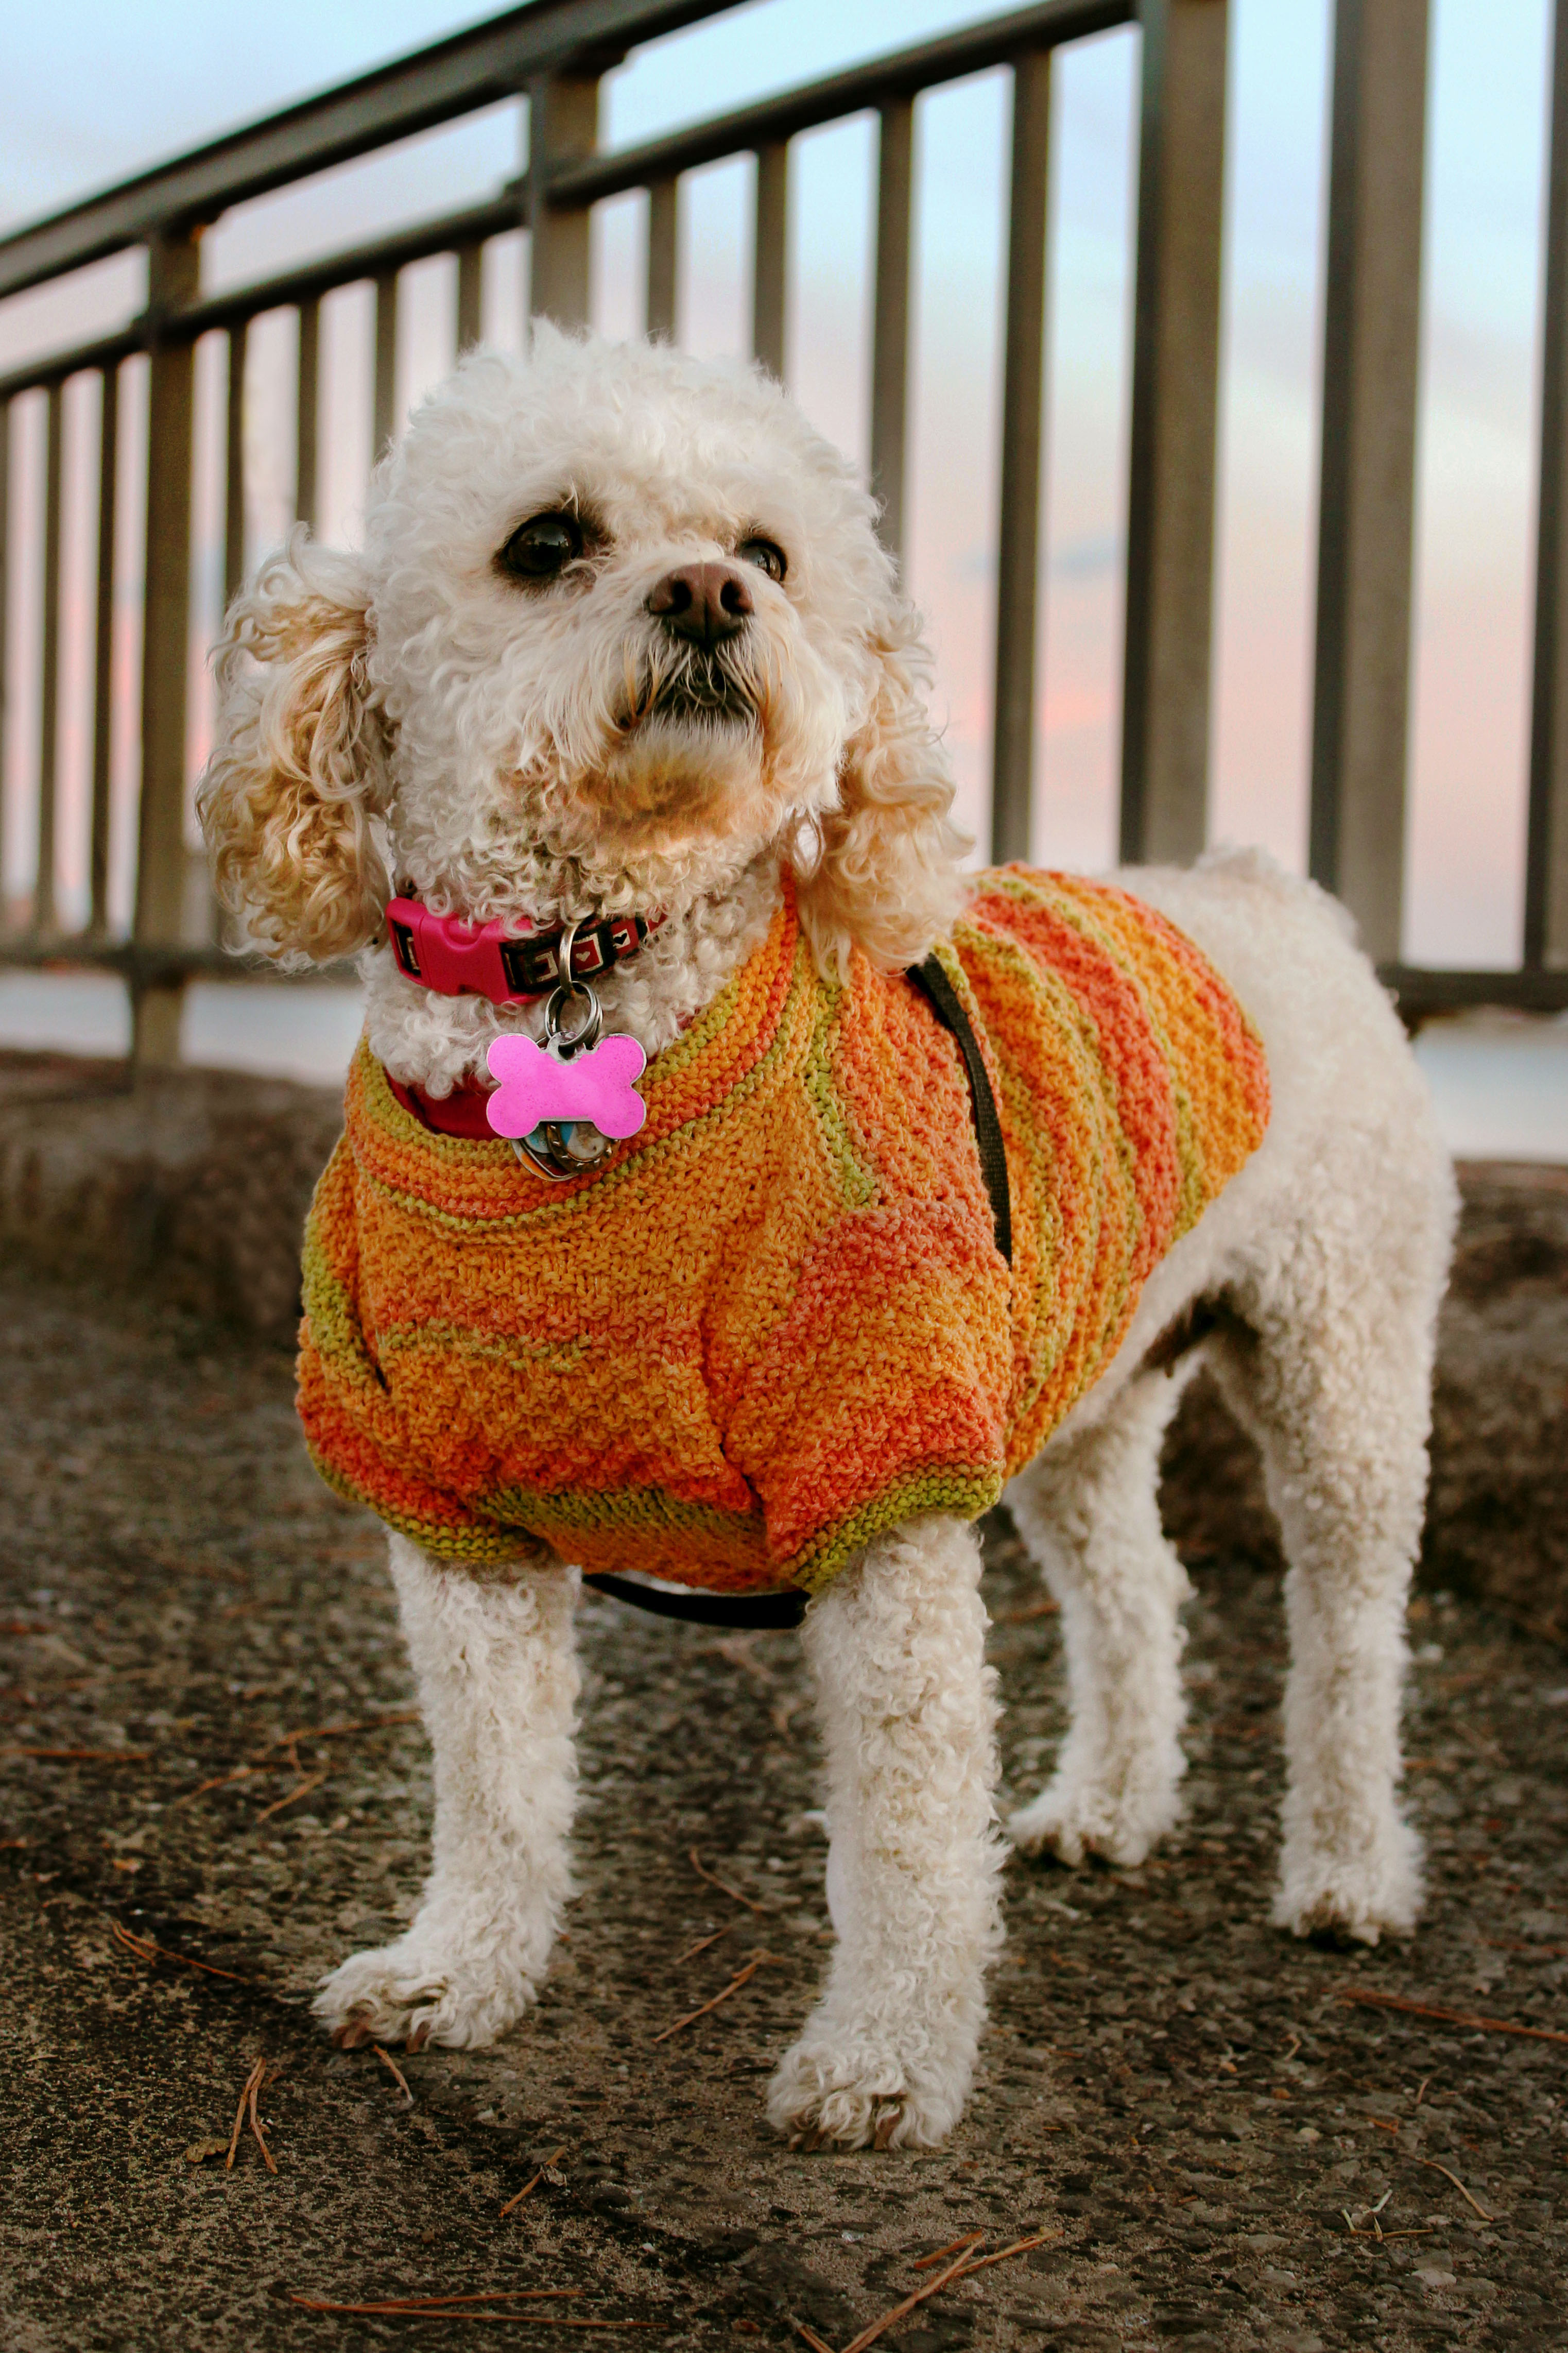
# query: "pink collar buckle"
456,958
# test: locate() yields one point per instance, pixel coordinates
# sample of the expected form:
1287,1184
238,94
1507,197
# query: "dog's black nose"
705,603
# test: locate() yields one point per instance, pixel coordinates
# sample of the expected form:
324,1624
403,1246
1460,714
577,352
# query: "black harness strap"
757,1613
945,1002
763,1612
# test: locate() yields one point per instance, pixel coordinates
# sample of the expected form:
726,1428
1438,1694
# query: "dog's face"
622,611
621,624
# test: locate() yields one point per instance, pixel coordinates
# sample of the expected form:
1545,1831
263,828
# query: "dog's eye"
542,547
764,555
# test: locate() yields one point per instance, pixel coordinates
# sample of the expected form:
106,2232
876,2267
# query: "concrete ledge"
197,1182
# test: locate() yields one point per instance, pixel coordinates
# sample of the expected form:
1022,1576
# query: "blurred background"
92,94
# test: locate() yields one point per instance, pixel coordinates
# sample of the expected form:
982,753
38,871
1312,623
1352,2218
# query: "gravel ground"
1179,2097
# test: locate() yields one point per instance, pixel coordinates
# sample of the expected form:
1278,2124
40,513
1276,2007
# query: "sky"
91,93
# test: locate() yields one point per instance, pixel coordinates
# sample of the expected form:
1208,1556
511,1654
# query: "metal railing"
554,54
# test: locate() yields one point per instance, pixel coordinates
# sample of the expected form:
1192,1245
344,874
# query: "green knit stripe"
618,1511
332,1313
941,1487
856,1177
474,1540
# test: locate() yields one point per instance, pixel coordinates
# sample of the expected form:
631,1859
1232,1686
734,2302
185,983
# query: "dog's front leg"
498,1684
896,1647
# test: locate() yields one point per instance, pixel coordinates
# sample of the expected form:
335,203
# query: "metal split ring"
572,1042
565,1148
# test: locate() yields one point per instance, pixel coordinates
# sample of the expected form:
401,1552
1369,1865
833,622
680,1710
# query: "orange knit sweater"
775,1321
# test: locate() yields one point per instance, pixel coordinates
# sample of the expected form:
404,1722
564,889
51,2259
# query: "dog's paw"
857,2096
1070,1821
1357,1897
412,1990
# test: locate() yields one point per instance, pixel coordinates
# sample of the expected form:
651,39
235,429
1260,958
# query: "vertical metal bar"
234,503
306,410
1367,502
890,319
470,295
1022,399
385,412
1175,409
1546,861
5,635
770,257
173,279
104,648
663,249
562,127
49,683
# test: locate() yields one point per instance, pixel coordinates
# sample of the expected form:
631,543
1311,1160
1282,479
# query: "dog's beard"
685,774
705,690
672,777
689,758
725,686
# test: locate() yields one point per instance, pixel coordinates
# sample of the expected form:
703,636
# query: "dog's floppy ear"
298,764
887,880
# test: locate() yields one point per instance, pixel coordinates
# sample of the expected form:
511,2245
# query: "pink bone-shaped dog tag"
597,1085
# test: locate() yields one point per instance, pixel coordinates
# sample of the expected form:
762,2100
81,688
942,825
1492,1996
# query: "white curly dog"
449,709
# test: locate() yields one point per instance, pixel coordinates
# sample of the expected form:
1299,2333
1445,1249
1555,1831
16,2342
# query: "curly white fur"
1087,1510
896,1650
498,1683
412,713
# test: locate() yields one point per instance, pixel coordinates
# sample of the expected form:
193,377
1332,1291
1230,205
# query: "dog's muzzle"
704,687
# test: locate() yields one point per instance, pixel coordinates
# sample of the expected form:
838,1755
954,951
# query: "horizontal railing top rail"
903,74
553,53
491,62
1000,41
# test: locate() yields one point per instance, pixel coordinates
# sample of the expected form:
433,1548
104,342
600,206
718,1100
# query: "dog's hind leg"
896,1648
1336,1390
497,1682
1087,1510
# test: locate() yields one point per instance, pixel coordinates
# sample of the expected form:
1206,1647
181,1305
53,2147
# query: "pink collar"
457,957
